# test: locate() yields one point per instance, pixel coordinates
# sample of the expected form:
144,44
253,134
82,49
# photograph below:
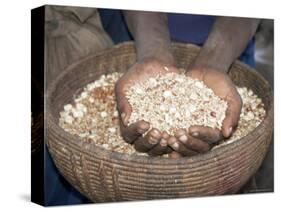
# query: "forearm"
227,40
151,34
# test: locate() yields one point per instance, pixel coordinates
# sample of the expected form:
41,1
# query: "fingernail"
230,130
166,68
141,131
152,141
175,145
183,138
195,134
163,142
123,116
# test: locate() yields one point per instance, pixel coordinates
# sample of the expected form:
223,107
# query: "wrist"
162,53
212,58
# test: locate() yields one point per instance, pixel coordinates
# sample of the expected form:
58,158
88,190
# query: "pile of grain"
174,101
93,115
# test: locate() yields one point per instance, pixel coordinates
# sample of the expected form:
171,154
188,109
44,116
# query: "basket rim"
92,147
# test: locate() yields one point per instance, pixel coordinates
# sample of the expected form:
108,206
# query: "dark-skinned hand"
186,142
198,139
153,142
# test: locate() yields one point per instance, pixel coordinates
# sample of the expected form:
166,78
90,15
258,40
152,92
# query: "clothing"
196,28
71,34
114,24
183,28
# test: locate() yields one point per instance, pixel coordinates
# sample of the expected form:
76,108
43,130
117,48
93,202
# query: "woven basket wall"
105,176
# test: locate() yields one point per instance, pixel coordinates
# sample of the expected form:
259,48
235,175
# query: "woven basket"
105,176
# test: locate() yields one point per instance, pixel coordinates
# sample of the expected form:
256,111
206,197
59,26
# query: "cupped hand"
153,142
198,139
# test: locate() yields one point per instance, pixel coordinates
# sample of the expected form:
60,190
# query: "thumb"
124,109
123,106
232,116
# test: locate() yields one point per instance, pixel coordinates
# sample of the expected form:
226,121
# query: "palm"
154,142
223,87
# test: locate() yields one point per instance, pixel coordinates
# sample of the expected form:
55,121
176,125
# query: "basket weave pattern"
105,176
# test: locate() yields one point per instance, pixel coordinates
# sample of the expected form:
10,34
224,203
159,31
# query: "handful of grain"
174,101
94,118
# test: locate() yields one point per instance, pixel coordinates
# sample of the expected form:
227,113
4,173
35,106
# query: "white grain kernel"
192,108
67,107
112,129
250,115
115,114
80,106
167,94
172,109
163,108
152,82
187,113
68,119
103,114
199,84
78,114
84,95
139,91
105,146
193,96
91,100
83,135
177,115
